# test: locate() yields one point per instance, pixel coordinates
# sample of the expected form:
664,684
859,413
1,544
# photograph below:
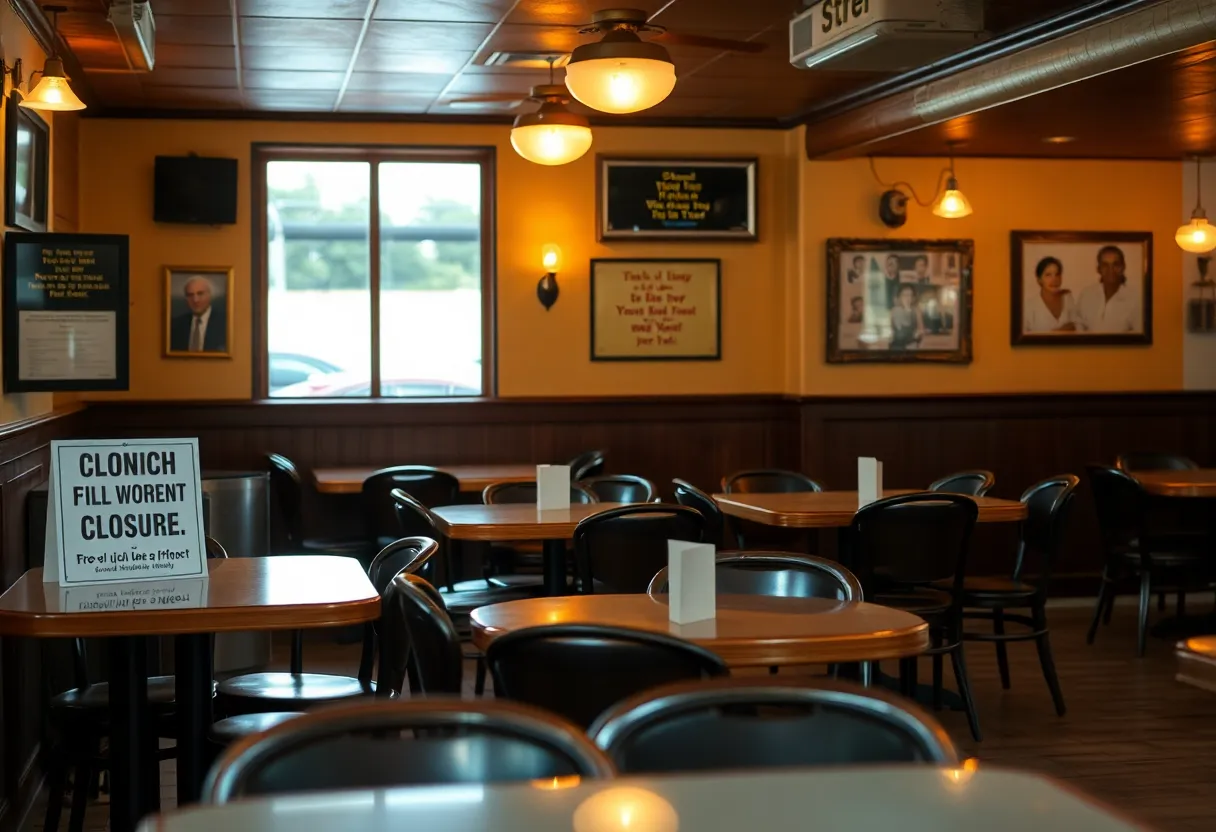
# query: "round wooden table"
748,631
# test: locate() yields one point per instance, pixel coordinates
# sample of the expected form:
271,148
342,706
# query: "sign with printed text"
655,310
124,510
677,199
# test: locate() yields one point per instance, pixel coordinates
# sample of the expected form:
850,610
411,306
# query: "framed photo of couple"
899,301
1081,288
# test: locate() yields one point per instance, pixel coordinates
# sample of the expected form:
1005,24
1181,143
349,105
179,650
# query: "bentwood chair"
579,670
393,743
1047,508
1154,461
420,642
500,493
621,488
287,489
620,549
747,723
776,574
689,495
429,486
974,483
902,548
764,481
586,464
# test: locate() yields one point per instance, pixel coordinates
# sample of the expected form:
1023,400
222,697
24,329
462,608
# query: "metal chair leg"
1002,655
1039,616
1146,586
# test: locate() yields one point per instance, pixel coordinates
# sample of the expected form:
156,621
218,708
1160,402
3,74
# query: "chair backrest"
497,493
388,635
1119,501
579,670
912,539
1047,506
215,549
417,640
623,547
780,574
287,487
768,481
406,554
429,486
975,483
689,495
1154,461
586,464
391,743
621,488
746,723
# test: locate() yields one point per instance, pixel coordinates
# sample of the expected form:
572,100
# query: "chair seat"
161,693
919,601
238,727
335,545
300,689
996,588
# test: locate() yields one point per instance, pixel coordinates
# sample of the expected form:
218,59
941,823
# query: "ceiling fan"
621,73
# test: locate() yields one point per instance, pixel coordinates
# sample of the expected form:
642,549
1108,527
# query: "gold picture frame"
181,312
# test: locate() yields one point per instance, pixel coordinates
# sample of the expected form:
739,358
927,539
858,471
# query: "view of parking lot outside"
319,285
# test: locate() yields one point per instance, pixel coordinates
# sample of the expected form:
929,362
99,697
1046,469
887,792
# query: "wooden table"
1197,662
276,593
521,521
472,477
748,631
1198,482
907,798
835,509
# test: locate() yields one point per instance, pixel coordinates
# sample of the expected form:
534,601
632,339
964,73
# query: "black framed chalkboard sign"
675,199
66,312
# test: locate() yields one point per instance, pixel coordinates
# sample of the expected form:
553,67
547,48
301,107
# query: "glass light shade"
621,85
551,144
625,809
952,204
52,92
551,258
1198,236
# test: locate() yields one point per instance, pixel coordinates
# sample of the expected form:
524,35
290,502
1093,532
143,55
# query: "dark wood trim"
373,262
259,271
489,273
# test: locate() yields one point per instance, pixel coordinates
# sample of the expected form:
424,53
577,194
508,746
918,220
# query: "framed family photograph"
198,309
27,154
899,300
1081,287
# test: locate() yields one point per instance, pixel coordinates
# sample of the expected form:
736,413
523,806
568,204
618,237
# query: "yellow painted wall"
839,199
539,353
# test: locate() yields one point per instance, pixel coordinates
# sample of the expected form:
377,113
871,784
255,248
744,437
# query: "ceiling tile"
195,7
464,11
427,37
113,86
180,55
194,29
380,102
93,54
527,38
299,34
707,16
300,101
195,98
413,82
320,58
269,79
323,9
384,60
577,12
193,77
486,82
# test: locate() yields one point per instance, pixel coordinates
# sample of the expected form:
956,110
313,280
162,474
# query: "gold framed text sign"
656,310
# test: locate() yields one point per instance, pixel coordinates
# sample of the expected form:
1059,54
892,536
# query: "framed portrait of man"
1081,287
899,301
198,311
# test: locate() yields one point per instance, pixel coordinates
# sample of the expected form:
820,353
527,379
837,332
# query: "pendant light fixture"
620,73
52,92
552,135
952,204
1197,236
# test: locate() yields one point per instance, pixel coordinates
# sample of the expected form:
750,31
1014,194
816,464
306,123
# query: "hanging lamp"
952,204
1197,236
620,73
552,135
53,90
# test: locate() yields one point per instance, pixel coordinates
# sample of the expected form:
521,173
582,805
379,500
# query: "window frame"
264,153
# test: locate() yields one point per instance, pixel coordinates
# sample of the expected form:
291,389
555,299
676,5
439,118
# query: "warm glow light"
958,777
551,258
625,809
953,204
1196,236
551,144
620,85
53,92
550,784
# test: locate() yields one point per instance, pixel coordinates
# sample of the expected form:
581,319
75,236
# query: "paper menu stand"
552,487
691,581
869,480
120,511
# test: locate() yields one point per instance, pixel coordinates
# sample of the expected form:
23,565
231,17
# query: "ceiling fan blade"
711,43
489,98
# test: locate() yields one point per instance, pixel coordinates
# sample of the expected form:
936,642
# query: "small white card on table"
691,581
869,480
552,487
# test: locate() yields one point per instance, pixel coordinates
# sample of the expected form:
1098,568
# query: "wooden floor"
1133,737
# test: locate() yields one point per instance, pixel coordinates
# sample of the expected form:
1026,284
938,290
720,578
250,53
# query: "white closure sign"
124,510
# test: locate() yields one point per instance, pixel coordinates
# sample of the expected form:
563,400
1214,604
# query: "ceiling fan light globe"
621,85
551,144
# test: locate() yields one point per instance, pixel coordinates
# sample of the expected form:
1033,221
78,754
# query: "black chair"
580,670
778,574
974,483
900,548
768,481
1154,461
748,724
621,488
499,493
689,495
420,643
287,489
586,464
392,743
429,486
1047,507
620,549
1133,545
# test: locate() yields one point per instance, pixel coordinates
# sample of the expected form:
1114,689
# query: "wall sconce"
1197,236
546,287
53,91
949,203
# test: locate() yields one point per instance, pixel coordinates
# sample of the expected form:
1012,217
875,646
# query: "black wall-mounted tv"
195,189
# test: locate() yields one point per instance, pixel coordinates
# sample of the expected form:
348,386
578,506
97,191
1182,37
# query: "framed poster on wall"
676,199
656,310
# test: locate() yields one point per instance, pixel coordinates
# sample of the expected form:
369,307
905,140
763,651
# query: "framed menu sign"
66,308
694,199
656,310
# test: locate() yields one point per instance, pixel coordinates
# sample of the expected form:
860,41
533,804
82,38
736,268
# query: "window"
375,274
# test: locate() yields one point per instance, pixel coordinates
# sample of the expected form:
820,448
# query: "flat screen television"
195,189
